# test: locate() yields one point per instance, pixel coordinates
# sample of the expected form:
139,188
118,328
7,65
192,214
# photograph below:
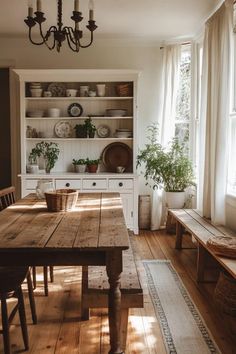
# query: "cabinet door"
127,201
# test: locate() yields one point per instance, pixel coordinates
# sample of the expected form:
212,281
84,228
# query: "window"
183,104
231,187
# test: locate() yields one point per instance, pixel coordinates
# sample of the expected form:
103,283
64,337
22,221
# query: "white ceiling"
150,19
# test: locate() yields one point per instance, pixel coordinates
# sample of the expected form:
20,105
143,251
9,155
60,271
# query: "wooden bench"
95,290
201,229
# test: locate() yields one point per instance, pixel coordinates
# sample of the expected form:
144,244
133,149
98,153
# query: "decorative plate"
117,154
57,89
75,110
103,131
63,129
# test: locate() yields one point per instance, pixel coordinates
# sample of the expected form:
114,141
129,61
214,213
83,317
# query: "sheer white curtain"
214,118
167,113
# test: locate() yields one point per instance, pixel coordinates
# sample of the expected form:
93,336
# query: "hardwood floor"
59,329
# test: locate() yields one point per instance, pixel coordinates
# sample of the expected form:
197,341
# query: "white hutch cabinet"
34,114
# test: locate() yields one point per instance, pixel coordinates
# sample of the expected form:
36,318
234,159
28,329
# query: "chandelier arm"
52,29
69,34
32,41
91,41
76,49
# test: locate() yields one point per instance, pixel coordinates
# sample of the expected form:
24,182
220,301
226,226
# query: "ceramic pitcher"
44,185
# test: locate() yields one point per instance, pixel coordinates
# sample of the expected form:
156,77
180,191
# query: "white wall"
104,54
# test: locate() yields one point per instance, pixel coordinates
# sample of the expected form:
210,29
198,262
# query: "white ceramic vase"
80,168
101,90
175,200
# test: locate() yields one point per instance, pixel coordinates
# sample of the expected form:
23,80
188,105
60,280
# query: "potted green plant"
33,166
90,128
49,151
79,165
92,165
168,168
80,131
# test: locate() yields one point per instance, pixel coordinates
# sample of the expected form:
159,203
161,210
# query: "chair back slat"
7,197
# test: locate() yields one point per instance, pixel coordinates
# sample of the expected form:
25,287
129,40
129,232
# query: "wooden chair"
11,279
7,197
45,277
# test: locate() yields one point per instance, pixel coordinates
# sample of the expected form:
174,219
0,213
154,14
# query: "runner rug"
183,329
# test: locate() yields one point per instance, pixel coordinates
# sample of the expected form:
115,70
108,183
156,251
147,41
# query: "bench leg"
124,327
84,310
179,235
201,262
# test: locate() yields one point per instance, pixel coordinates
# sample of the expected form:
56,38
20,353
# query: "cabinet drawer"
31,183
68,183
94,183
120,183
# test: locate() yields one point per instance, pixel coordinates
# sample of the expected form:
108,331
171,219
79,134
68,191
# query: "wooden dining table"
93,233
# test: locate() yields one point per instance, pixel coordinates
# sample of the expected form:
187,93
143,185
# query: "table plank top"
96,223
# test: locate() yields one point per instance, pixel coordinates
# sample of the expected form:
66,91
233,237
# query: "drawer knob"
94,184
67,184
120,184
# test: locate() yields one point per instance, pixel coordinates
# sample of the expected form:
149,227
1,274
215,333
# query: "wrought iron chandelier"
56,35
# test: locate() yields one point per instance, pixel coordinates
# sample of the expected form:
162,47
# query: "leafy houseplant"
170,169
86,130
90,127
79,165
92,165
81,131
49,151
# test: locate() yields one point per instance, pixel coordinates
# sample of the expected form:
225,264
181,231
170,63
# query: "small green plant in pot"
92,165
79,165
170,168
80,131
90,128
49,151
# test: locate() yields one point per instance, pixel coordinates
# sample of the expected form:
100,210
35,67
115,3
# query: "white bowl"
36,92
116,112
54,112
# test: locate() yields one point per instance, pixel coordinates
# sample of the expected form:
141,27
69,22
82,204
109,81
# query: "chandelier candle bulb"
39,5
76,5
30,11
91,15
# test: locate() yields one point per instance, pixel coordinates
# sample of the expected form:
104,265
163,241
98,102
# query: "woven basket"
61,199
225,294
123,90
223,245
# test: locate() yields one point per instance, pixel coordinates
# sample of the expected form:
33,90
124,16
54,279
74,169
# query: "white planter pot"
175,200
80,168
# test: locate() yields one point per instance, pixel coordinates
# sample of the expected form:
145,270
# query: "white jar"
33,168
101,90
83,91
54,112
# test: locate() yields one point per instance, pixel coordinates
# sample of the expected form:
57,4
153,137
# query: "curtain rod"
184,43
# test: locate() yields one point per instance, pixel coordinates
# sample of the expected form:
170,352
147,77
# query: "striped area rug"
182,326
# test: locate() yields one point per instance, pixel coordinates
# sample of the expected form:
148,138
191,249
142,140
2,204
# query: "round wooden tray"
117,154
223,245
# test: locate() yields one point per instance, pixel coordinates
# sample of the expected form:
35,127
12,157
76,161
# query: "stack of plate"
35,114
123,133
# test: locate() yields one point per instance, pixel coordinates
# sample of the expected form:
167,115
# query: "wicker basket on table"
61,199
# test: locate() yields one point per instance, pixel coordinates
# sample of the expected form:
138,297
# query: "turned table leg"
114,269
